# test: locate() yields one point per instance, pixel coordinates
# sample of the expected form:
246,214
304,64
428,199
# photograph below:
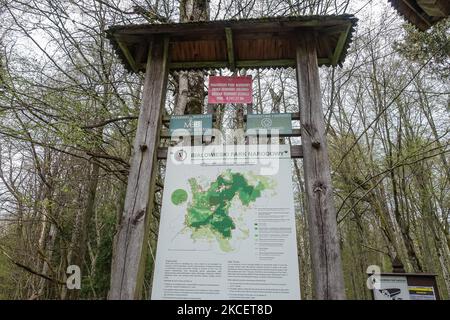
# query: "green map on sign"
208,213
179,196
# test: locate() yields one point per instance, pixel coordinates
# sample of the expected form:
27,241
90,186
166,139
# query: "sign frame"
180,122
235,89
414,280
266,122
246,248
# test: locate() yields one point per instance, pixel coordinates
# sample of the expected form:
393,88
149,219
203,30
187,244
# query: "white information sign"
392,288
227,228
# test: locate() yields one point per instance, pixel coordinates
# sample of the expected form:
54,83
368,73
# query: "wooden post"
324,241
249,108
130,243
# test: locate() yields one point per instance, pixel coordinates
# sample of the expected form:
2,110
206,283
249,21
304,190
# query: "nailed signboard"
227,227
273,121
194,125
392,288
405,286
230,90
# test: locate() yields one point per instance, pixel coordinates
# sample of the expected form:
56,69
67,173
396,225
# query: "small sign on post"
272,121
194,125
405,286
392,288
230,90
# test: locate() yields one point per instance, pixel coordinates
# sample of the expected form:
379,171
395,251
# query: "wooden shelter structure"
422,13
303,43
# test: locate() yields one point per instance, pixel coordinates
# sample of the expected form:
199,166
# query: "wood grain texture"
324,240
204,44
128,262
294,115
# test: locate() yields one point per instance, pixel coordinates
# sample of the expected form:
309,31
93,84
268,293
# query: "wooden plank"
128,55
275,24
265,63
141,53
324,241
340,45
130,243
261,34
294,115
198,65
296,152
230,49
273,63
416,10
165,134
239,64
332,30
128,38
295,133
249,37
249,109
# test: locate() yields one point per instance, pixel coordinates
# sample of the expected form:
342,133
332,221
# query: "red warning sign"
230,90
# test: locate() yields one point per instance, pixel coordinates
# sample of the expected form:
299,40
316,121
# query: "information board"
227,228
191,124
392,288
230,89
282,122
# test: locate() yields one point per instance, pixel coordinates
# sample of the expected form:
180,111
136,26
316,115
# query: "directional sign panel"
190,124
273,121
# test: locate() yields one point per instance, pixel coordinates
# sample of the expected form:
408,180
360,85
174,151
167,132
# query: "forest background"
68,114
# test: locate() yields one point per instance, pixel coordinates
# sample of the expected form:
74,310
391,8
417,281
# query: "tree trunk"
78,248
190,95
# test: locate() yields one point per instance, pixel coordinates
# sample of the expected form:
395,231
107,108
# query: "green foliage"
7,284
50,137
99,282
433,45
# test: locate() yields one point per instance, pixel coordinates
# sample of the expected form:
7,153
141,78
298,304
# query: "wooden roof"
247,44
422,13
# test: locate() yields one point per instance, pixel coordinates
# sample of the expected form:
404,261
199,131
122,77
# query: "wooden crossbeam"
128,55
240,64
294,116
295,133
417,12
340,45
165,134
198,65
